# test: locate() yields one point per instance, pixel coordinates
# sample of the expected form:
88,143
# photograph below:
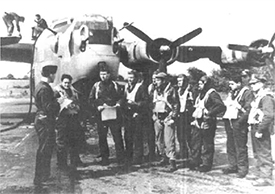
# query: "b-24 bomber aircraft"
76,45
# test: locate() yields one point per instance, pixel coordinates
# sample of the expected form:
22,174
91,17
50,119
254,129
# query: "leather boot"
173,166
164,161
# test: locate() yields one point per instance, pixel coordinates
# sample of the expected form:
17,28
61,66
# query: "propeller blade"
138,33
271,40
186,37
243,48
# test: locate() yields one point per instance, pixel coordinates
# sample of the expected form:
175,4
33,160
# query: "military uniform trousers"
236,145
202,145
183,134
70,139
262,154
46,138
165,138
115,128
134,129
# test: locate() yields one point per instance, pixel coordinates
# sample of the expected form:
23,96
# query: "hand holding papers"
108,113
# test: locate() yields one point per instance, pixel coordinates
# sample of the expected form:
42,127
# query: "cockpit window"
99,29
63,25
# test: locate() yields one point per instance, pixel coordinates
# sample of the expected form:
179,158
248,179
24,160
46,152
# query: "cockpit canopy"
100,27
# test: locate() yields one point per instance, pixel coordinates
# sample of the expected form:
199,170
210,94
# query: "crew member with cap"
166,106
208,105
236,127
136,110
9,18
105,97
69,133
261,119
246,76
47,111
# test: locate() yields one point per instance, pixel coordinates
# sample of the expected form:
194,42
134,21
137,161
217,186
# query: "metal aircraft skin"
76,45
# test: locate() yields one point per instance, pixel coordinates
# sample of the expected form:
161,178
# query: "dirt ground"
17,160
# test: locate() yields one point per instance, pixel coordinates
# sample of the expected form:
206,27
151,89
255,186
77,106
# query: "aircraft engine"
160,51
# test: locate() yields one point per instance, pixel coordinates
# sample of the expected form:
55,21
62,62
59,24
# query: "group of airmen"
155,115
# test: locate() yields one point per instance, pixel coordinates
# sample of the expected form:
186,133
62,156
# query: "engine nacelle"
141,56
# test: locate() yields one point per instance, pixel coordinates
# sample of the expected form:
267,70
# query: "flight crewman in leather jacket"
105,97
208,105
236,127
135,109
47,110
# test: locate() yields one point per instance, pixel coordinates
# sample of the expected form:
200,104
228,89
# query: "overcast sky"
222,21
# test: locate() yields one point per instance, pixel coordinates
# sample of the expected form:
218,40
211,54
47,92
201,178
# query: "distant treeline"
11,77
20,87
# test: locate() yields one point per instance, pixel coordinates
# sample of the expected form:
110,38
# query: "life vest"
68,102
256,114
64,94
97,88
160,101
231,109
200,104
183,98
132,95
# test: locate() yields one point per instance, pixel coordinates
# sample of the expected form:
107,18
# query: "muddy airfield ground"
17,161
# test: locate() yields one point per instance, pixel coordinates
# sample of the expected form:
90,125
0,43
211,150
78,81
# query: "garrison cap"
255,79
161,75
103,66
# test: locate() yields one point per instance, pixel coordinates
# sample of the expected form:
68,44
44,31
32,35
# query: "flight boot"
172,166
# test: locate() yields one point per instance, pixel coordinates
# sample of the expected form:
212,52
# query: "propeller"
137,32
269,60
161,49
257,49
243,48
186,37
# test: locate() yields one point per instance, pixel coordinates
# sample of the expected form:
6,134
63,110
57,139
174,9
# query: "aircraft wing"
193,53
222,56
11,50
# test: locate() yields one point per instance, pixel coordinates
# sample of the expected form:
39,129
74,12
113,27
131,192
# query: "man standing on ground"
261,119
165,111
69,133
236,127
208,105
47,110
136,117
185,115
106,99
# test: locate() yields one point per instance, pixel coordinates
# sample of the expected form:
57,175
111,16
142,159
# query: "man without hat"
261,119
165,111
135,109
8,18
47,110
69,133
105,97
